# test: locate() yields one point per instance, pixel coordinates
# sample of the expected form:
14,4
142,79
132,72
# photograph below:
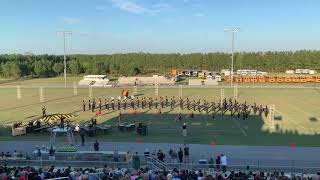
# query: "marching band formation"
231,107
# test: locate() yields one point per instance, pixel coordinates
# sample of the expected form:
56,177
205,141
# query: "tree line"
17,65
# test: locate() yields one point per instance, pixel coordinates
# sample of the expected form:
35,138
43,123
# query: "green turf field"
297,115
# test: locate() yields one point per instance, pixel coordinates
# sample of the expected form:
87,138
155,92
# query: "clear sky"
160,26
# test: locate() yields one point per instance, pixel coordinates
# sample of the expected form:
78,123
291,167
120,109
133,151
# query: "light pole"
232,30
64,33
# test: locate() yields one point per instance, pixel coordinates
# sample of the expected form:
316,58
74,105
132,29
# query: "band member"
138,102
254,107
266,111
118,104
194,105
206,107
248,112
213,106
225,104
132,104
167,101
84,105
156,103
143,103
173,101
124,104
112,104
260,110
162,103
188,104
44,111
89,104
150,103
93,106
106,104
181,103
100,105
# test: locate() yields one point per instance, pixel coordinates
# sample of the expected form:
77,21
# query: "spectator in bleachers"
161,155
115,156
174,156
82,138
186,153
129,157
223,162
147,152
218,162
39,155
96,146
180,155
136,161
15,154
3,155
52,154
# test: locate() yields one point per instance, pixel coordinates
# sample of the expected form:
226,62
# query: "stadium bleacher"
94,80
107,173
145,80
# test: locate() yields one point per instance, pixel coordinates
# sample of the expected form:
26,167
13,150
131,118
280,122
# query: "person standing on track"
180,155
184,130
186,153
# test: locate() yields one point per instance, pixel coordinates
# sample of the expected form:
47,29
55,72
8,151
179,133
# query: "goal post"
41,94
90,92
271,116
19,92
75,88
221,96
156,89
235,91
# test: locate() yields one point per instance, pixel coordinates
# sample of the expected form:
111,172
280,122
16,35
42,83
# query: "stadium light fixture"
64,33
232,30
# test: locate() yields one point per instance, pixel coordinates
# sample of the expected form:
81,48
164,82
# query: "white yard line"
291,120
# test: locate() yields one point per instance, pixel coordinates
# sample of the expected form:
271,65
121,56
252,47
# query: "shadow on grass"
278,118
201,129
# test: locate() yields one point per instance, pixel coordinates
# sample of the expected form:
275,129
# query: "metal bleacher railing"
154,163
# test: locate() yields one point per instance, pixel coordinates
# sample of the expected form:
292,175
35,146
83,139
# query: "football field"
297,116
